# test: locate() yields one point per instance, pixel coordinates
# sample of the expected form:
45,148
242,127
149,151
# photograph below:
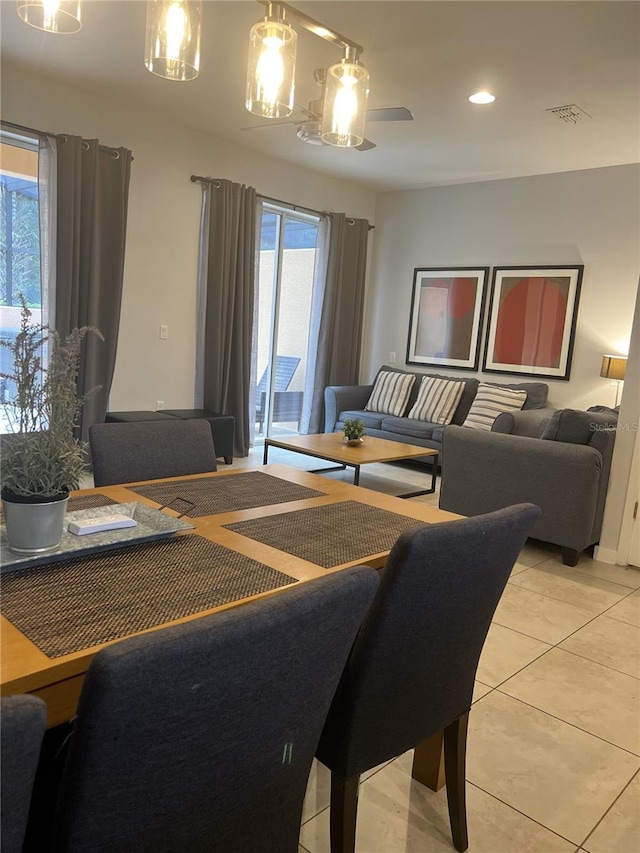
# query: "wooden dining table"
25,668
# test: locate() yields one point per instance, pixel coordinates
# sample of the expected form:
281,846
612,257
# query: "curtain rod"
41,134
278,201
24,129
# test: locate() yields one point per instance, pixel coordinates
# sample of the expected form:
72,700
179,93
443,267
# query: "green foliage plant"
353,428
42,458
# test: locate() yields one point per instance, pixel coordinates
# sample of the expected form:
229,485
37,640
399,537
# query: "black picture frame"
446,318
533,314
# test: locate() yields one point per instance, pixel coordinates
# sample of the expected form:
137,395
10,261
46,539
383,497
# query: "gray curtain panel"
92,189
336,329
228,260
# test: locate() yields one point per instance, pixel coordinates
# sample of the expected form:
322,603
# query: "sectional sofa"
349,401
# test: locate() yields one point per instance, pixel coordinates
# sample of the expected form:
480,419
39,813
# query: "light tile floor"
554,741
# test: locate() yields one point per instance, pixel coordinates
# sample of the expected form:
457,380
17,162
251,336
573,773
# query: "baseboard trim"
606,555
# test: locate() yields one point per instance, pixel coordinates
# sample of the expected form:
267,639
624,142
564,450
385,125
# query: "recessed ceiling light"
482,98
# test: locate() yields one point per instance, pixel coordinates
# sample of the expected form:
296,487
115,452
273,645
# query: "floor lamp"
614,367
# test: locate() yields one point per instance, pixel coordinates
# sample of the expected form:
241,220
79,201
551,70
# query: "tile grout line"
609,809
593,618
522,668
557,646
553,598
595,577
313,817
597,662
573,726
546,651
371,775
524,814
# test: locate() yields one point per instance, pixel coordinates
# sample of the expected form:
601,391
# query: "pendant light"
345,102
53,16
172,46
271,65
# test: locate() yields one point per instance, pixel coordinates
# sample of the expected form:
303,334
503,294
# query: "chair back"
21,731
286,366
149,450
200,736
412,668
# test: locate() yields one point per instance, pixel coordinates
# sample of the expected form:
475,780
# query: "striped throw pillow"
491,401
390,393
437,400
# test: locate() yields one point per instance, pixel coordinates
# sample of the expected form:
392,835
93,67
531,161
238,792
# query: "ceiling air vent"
570,113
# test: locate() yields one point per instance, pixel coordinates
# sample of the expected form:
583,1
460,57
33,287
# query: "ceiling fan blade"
365,145
271,124
390,114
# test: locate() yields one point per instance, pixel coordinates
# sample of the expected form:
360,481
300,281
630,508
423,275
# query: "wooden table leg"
428,762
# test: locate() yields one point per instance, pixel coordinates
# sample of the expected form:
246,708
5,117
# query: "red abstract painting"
532,320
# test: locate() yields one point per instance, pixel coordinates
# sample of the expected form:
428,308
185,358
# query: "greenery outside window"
20,268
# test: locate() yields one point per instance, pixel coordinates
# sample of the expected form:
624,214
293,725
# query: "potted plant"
42,460
353,429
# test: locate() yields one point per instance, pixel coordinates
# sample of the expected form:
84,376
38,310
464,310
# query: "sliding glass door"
284,289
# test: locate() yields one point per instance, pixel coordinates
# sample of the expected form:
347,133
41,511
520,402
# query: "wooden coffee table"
331,446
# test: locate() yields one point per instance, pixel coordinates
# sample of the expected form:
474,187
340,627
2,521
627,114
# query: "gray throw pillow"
606,410
570,425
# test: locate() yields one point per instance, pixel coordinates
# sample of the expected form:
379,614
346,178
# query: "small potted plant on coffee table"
42,460
353,429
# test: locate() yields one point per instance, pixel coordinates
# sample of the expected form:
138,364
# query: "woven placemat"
88,502
329,535
79,603
212,495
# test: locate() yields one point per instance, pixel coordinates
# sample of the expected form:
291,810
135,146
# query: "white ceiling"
427,56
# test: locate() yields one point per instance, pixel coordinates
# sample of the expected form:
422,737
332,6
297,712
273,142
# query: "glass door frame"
284,214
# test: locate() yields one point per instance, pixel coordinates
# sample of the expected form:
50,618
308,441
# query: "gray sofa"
565,472
348,401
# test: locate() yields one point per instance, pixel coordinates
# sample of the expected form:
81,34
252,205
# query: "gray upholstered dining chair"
150,450
411,672
22,725
200,736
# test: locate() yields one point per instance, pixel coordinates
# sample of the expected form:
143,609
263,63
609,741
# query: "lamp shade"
613,367
345,104
53,16
271,68
172,45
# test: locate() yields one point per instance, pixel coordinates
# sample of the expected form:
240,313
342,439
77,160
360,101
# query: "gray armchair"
565,472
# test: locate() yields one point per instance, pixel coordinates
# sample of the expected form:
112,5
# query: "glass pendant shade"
172,45
54,16
271,69
345,104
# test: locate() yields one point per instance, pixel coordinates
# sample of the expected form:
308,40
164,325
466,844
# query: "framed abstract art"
446,316
532,320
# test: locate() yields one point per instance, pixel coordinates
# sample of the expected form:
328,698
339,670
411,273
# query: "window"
19,244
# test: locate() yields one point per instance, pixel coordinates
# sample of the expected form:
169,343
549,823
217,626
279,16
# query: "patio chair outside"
287,405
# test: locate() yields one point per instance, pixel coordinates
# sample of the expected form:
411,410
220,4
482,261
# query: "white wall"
618,522
164,211
587,217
